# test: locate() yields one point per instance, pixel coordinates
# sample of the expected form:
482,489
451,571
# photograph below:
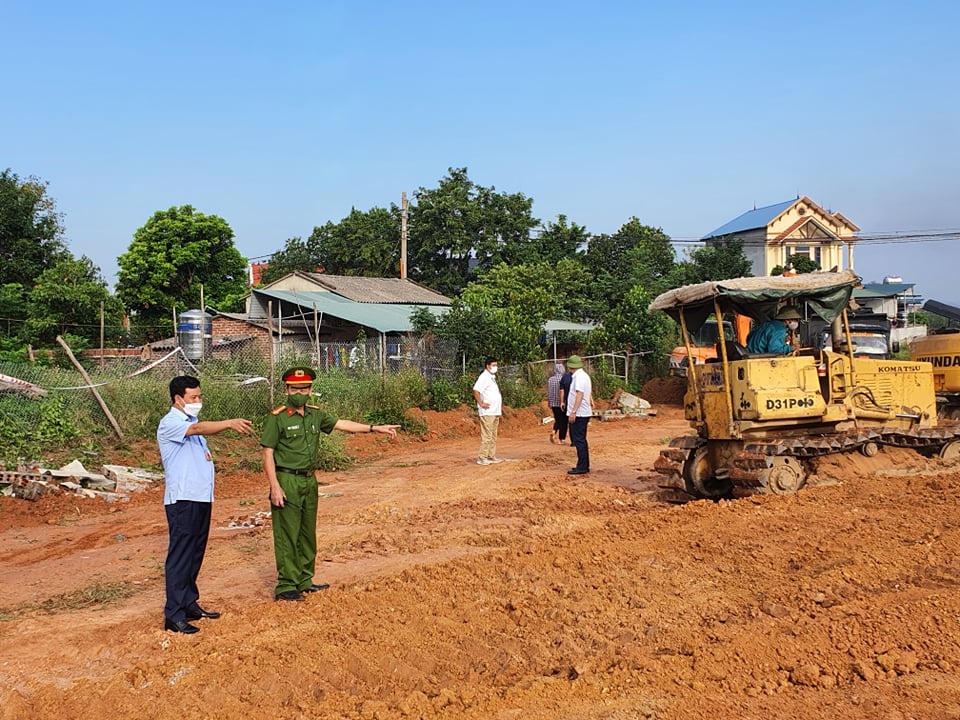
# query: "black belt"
291,471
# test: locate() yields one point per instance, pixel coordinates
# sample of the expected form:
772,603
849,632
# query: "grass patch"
94,595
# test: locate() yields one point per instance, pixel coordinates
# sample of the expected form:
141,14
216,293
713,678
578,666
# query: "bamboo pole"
96,394
272,347
101,335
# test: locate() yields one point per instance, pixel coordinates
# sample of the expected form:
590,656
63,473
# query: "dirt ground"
506,591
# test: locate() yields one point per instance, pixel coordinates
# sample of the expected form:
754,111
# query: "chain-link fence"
126,392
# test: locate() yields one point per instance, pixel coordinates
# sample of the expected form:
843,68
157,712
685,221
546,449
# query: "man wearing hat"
579,412
289,441
771,336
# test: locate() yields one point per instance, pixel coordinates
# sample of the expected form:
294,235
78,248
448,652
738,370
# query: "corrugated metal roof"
379,290
751,220
555,325
889,289
382,317
864,294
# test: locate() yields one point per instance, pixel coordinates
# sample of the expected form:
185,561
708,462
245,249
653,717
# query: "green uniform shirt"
294,437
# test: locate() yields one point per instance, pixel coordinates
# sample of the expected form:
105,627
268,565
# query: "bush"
28,429
605,382
444,395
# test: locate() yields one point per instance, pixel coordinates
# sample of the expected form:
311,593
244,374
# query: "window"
810,251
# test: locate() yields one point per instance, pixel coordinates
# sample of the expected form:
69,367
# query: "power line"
857,240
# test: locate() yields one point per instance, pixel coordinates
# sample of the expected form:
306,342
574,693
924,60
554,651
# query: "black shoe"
315,587
198,613
180,626
576,471
289,595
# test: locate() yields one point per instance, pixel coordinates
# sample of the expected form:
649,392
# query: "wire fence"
126,392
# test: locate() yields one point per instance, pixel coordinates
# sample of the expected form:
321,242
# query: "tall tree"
636,254
714,261
171,256
559,240
297,254
460,228
66,298
30,229
362,243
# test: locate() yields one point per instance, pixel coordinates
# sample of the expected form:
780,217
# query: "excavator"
941,348
760,421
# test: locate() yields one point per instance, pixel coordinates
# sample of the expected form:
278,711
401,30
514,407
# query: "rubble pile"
626,405
115,482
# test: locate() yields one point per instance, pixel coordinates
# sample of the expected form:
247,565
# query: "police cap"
300,375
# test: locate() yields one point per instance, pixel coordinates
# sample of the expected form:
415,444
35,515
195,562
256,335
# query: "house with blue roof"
772,234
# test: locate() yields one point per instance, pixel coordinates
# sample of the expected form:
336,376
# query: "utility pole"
403,236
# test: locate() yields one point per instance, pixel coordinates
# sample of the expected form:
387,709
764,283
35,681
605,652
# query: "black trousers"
559,422
578,436
188,523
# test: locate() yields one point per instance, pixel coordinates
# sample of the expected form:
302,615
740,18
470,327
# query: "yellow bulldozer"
760,421
941,348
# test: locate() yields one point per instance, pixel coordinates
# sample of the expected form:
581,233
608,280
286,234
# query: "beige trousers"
488,436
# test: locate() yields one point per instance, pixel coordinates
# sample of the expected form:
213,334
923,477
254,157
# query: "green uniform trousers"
295,532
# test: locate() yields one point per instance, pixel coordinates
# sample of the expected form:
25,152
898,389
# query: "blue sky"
681,114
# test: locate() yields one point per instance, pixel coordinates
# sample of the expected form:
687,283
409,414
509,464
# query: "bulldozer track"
755,467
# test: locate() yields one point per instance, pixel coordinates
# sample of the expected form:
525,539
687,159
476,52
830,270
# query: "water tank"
195,332
892,280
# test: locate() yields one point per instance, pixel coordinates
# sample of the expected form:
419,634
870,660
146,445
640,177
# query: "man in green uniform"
290,436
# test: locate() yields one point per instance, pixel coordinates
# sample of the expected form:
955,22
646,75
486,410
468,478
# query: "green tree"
628,326
12,309
480,330
171,256
297,254
636,254
800,263
533,288
66,298
559,240
460,229
714,261
362,243
30,229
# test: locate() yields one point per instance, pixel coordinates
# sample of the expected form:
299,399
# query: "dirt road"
507,591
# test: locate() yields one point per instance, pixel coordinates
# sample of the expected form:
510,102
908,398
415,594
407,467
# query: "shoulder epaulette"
277,411
314,407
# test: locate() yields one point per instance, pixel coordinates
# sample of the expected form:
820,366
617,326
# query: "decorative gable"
772,234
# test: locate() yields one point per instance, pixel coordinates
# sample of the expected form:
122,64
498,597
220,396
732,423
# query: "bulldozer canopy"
825,293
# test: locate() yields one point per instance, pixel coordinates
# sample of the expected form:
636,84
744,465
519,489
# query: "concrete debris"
130,479
631,404
30,481
625,405
8,383
250,521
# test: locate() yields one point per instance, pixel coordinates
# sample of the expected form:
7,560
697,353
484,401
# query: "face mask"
297,400
493,369
793,324
192,409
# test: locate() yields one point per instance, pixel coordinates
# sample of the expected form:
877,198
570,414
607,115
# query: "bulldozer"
941,348
762,420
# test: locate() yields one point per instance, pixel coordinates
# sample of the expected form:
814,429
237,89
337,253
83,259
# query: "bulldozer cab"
740,394
762,419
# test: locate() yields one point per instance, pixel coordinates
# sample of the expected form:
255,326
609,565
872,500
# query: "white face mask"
493,369
192,409
793,324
